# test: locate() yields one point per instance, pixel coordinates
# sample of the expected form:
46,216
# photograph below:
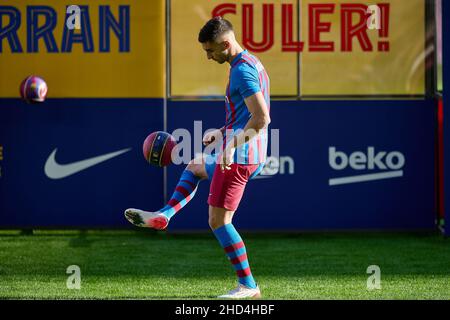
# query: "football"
157,148
33,89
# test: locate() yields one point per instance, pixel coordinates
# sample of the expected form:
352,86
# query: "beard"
221,59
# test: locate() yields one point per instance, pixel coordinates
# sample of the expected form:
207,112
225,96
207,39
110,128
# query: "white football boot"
146,219
242,292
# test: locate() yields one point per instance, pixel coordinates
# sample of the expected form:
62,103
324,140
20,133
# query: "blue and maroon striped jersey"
247,77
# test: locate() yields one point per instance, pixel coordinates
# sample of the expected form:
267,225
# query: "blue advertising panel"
76,163
342,165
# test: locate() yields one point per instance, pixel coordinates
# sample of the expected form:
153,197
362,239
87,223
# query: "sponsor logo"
54,170
277,165
388,164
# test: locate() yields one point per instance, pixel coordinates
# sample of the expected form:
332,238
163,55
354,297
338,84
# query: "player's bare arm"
259,120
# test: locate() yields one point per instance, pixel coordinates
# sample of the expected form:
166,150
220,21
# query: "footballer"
243,140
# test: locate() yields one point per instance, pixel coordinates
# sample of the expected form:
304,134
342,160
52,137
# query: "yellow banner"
191,72
348,69
347,47
102,49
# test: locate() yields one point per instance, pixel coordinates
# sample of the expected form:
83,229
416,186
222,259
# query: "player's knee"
219,219
215,222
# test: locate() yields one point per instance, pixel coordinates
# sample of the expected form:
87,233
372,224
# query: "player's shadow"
81,241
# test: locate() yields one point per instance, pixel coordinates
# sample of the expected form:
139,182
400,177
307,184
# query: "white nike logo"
54,170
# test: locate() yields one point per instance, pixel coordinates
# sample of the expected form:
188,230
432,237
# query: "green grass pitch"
160,265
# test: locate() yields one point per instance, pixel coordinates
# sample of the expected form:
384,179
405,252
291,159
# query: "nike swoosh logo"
54,170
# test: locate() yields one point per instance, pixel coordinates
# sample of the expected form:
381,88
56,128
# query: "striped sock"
184,192
232,243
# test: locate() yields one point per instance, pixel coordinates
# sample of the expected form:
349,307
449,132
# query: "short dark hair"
213,29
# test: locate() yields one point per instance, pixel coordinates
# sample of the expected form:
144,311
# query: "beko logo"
387,164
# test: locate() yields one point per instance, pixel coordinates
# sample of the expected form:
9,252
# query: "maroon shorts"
227,187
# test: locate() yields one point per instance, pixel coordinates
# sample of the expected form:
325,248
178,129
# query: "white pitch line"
366,177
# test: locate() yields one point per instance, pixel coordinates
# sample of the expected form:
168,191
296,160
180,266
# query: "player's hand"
212,136
227,158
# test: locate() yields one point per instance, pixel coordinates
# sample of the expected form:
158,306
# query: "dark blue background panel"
400,134
300,196
79,129
446,79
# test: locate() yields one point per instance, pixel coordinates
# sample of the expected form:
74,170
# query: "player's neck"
234,52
